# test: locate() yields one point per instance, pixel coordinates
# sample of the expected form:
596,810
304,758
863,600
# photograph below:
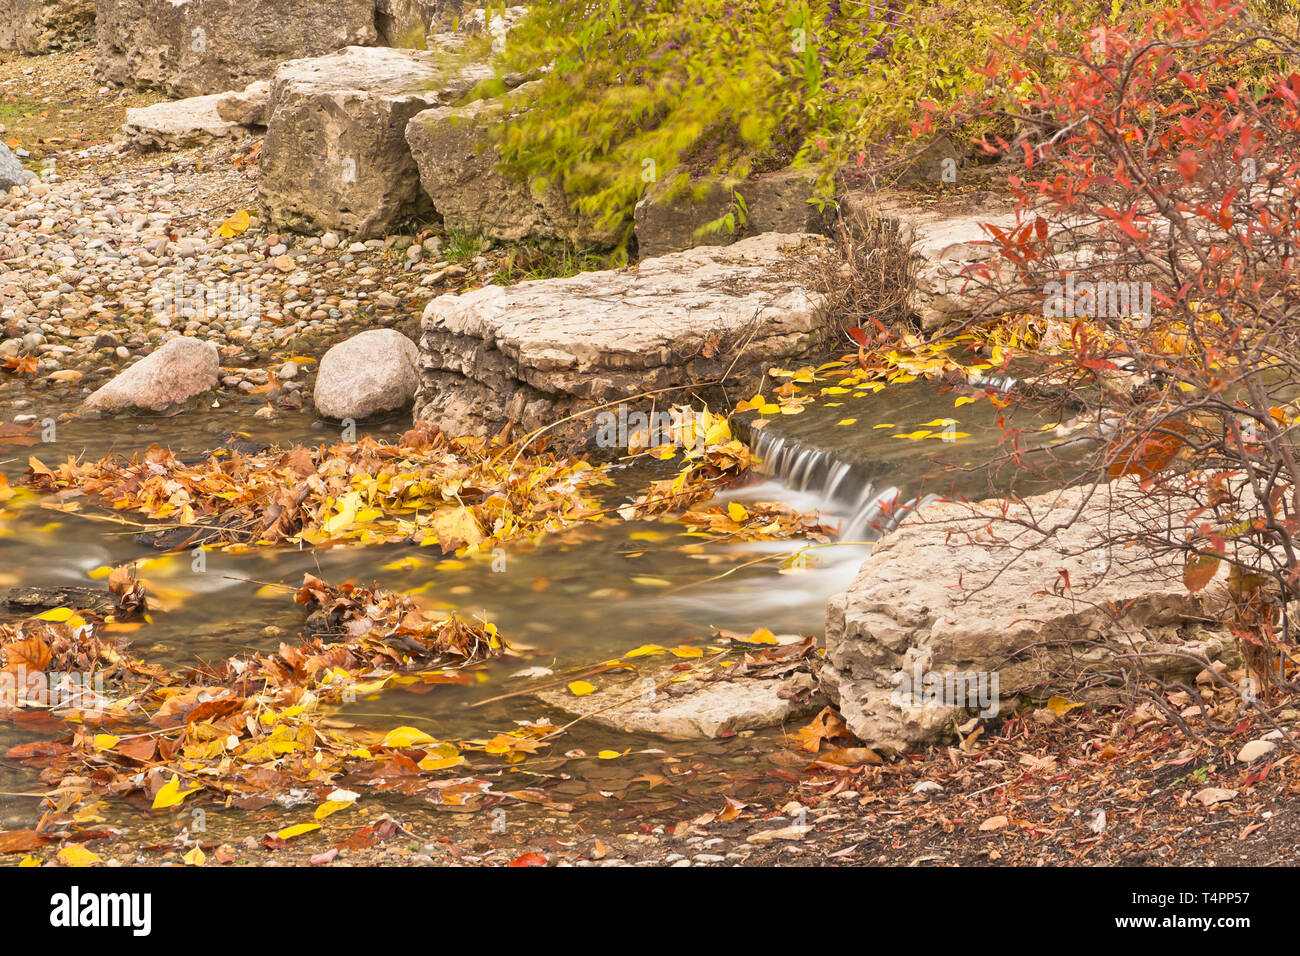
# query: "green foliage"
633,92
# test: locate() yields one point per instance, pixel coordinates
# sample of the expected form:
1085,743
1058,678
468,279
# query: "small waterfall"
865,510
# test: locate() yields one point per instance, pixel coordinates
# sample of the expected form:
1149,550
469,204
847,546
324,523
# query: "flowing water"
575,598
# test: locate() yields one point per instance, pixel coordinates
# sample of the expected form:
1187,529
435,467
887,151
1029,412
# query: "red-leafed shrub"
1160,230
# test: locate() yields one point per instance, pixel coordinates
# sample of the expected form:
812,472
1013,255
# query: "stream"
575,598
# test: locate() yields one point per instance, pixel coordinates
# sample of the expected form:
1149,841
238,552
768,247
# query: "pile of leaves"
251,730
428,489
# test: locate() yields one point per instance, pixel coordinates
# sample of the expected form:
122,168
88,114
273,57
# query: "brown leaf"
21,841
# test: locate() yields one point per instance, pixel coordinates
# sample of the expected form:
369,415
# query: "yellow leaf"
964,400
580,688
195,857
645,650
848,421
77,855
915,436
56,614
102,571
885,425
761,636
330,806
608,754
298,829
651,582
171,794
1060,706
686,652
432,762
106,741
737,512
236,225
407,737
30,860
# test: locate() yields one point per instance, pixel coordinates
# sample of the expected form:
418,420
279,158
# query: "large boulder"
535,352
178,123
335,154
181,369
373,372
670,218
39,26
456,153
194,47
12,172
968,589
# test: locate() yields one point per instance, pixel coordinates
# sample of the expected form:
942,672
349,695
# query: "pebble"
93,270
1255,749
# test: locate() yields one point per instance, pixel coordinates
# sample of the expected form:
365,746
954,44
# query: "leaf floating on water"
404,737
171,794
298,829
580,688
646,650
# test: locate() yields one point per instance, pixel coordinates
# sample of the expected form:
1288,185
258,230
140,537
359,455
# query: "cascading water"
865,511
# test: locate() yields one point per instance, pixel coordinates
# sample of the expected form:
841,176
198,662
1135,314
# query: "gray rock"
12,172
182,368
39,26
194,47
374,371
669,220
406,23
457,159
535,352
175,124
705,711
335,154
247,107
903,617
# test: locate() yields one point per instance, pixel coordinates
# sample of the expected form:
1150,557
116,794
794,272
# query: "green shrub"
640,91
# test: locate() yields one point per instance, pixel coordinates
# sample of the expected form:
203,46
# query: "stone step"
539,351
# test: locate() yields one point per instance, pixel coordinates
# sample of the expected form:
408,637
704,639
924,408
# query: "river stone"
178,123
457,159
335,154
704,710
538,351
374,371
906,614
12,172
247,107
39,26
182,368
194,47
668,219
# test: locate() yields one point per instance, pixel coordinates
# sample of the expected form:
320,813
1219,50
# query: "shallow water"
576,598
